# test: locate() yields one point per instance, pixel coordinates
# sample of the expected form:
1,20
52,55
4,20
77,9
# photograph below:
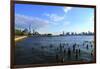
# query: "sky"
54,19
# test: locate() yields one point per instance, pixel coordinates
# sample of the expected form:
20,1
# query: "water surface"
43,49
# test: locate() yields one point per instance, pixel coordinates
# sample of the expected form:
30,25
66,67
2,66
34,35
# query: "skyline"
54,19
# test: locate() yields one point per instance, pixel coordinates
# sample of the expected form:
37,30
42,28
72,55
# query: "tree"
72,33
68,33
25,31
18,32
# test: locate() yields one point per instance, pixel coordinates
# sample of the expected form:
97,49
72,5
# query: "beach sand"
17,38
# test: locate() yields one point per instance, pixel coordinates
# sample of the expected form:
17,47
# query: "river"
54,49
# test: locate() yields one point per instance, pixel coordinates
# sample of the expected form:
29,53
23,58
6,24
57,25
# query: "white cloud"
91,22
57,20
65,23
64,26
24,21
66,9
92,19
55,17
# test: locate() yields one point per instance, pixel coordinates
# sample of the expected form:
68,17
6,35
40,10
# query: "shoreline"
19,38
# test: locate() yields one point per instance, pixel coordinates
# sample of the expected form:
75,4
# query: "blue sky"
54,19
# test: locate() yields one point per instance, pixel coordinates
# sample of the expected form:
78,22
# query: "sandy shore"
17,38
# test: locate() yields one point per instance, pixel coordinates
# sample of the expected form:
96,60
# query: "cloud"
65,23
55,17
92,19
64,26
23,21
91,23
66,9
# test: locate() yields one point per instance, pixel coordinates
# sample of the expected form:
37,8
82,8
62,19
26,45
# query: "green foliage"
18,32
